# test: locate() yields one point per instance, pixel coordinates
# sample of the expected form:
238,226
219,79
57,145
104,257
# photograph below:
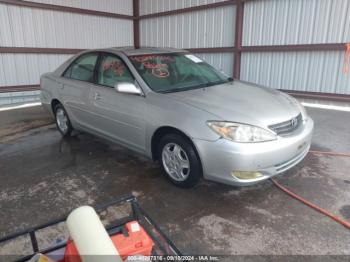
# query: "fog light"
246,175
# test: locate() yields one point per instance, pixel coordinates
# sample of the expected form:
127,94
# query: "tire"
63,123
175,153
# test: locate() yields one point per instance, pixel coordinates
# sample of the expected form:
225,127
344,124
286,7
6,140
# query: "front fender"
165,112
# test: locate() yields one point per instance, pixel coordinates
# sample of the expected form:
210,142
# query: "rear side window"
82,68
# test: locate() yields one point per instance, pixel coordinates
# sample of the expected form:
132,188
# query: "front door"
118,115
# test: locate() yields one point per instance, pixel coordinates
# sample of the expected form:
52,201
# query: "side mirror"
127,88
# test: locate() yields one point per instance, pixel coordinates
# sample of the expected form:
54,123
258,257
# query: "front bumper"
220,158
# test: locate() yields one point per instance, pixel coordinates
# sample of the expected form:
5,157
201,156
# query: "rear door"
77,81
118,115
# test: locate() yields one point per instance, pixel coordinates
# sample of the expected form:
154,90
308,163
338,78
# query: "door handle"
97,96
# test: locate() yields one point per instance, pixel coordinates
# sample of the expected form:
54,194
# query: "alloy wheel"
176,162
62,120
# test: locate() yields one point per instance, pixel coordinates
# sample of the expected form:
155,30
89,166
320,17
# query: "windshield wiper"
216,83
186,88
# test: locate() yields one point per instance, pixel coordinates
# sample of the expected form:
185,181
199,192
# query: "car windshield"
174,72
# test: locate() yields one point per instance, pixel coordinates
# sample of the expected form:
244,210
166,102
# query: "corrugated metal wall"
12,98
279,22
110,6
156,6
208,28
32,27
25,69
223,62
266,22
300,71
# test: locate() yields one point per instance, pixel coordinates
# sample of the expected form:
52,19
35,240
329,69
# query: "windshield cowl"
194,87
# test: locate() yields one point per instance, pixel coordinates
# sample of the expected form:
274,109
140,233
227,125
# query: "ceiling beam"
212,50
295,48
38,50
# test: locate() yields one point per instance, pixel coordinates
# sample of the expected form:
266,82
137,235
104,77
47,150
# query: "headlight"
241,133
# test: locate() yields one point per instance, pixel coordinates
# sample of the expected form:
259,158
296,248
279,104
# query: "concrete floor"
44,176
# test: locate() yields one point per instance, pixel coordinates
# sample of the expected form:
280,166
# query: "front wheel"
179,160
62,121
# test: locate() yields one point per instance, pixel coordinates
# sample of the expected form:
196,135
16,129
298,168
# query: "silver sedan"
171,106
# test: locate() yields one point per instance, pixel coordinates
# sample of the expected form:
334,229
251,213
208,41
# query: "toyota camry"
173,107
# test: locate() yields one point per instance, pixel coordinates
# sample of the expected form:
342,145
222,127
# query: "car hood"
242,102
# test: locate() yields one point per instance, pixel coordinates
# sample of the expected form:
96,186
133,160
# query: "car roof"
130,50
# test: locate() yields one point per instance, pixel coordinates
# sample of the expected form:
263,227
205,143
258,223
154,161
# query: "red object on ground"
317,208
138,242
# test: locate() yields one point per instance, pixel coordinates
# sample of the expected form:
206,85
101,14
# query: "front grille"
287,127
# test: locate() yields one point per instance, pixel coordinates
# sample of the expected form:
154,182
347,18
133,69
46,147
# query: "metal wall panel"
223,62
25,69
208,28
30,27
279,22
12,98
156,6
111,6
301,71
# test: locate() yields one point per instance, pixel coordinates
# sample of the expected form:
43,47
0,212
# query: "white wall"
25,69
31,27
266,22
300,71
156,6
207,28
110,6
14,98
280,22
223,62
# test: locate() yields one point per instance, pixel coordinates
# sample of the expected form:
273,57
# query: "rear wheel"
179,160
62,121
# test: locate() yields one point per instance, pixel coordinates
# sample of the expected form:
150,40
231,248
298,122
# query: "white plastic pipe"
90,237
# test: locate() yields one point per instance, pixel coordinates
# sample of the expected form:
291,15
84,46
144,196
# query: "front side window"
175,72
112,70
82,68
